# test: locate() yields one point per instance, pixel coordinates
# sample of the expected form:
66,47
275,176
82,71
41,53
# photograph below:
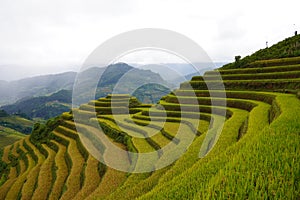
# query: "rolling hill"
16,122
44,107
254,156
13,128
35,86
41,87
8,136
288,48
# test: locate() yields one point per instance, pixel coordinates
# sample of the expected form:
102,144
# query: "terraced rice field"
254,156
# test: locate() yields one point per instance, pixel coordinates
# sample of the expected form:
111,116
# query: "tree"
237,58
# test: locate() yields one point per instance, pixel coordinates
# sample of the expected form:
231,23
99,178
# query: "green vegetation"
254,155
12,128
129,78
9,136
17,123
43,107
151,93
289,47
41,133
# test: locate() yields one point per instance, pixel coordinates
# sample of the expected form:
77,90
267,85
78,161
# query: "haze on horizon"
46,37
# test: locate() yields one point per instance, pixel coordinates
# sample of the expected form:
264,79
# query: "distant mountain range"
35,86
48,96
43,107
118,78
176,73
45,85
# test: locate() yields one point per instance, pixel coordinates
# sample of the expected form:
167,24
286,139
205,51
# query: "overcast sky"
52,36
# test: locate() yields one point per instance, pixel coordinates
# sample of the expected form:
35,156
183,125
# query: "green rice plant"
62,171
104,99
170,114
13,157
192,121
249,76
22,157
12,177
73,180
185,161
186,136
256,70
274,173
41,149
218,110
69,124
73,134
228,137
266,97
31,183
274,62
263,85
45,176
206,102
103,110
109,183
143,146
126,187
129,128
14,170
67,116
92,179
86,107
134,130
110,129
83,114
4,167
257,116
108,103
6,153
160,139
138,186
15,190
255,157
154,130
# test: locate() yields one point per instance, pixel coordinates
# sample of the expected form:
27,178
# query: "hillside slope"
44,107
288,48
35,86
8,136
13,128
48,84
16,122
255,156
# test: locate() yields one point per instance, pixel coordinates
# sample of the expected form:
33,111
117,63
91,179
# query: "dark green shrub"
101,169
4,168
30,151
82,175
42,132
